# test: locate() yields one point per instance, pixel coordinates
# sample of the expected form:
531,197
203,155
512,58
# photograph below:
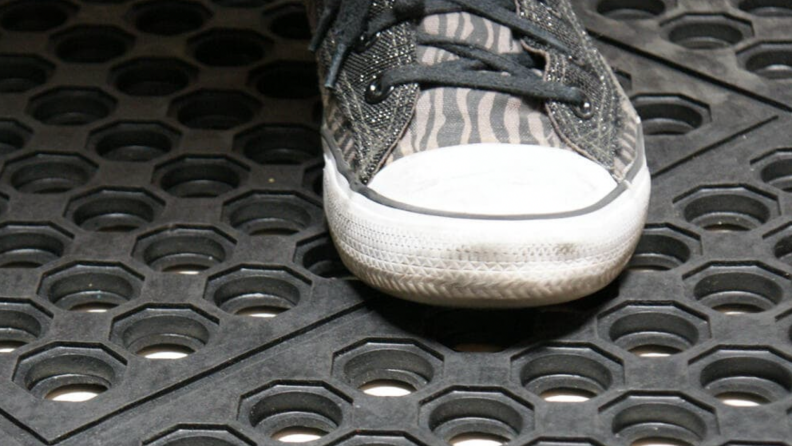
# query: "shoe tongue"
466,28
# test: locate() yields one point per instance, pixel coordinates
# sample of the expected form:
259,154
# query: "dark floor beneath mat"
163,250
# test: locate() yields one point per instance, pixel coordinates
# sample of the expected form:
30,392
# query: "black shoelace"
476,68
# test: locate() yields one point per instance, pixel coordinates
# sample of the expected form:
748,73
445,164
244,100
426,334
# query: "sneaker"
479,153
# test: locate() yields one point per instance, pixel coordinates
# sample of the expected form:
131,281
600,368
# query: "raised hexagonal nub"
477,414
743,377
184,250
671,115
91,287
69,373
653,330
163,332
387,368
49,173
735,288
567,373
294,411
21,323
674,419
114,210
256,291
707,31
727,208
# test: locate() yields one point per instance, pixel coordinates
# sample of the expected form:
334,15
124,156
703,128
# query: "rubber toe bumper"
489,225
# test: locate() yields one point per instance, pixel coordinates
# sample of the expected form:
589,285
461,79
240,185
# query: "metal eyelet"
376,92
367,41
584,110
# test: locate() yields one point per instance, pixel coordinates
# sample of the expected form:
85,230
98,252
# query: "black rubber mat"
161,186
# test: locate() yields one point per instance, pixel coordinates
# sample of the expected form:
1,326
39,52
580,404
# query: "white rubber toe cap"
495,180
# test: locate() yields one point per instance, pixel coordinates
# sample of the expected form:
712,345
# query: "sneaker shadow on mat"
491,331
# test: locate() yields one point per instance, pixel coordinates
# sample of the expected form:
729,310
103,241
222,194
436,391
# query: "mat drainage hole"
654,334
170,18
17,329
478,439
76,393
229,48
778,174
767,8
735,293
287,80
282,146
296,417
152,77
270,216
291,23
200,179
72,107
385,371
165,336
566,378
11,139
115,211
660,424
29,249
18,74
92,291
668,116
215,111
631,9
49,178
187,254
256,296
74,375
706,35
324,261
134,145
657,252
92,45
746,381
467,418
387,388
726,212
27,16
773,62
783,249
